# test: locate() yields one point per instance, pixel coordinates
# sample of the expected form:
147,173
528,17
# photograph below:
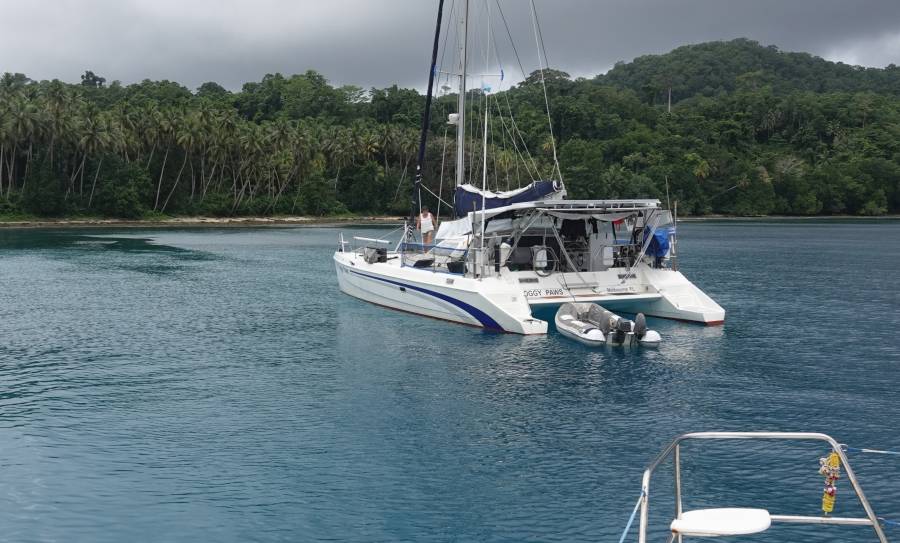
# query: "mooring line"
869,451
637,507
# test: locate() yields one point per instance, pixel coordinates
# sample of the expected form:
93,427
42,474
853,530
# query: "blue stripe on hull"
478,314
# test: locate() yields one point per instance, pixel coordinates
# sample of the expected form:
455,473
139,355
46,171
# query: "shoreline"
212,222
215,222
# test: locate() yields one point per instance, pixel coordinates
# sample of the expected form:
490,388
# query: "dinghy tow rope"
846,448
637,507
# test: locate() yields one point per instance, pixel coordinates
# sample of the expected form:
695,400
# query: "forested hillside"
715,68
749,130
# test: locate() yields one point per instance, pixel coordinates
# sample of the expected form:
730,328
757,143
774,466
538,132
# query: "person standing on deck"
426,224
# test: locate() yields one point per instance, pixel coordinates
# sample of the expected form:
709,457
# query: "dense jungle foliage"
724,127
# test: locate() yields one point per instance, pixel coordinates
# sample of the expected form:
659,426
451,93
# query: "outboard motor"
640,326
645,336
623,326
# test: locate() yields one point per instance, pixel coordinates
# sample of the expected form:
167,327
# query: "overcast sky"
380,42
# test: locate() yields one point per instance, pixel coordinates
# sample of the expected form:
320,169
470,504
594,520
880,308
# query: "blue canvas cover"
470,200
659,244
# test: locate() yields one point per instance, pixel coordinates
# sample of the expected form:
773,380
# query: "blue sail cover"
469,198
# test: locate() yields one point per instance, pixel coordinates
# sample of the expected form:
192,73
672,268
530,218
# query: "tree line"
725,127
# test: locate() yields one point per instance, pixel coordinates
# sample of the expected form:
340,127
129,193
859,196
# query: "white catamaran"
512,257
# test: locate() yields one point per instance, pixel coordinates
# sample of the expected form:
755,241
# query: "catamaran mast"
461,101
426,119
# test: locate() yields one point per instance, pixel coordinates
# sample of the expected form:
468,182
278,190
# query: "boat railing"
359,243
674,450
433,256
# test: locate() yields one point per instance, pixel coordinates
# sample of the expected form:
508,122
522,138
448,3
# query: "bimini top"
470,198
602,210
561,208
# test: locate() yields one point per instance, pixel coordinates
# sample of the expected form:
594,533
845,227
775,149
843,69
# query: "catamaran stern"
655,292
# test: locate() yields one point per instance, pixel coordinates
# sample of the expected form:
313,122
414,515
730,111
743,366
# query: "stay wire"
512,138
441,177
539,42
518,132
515,49
446,38
511,41
525,158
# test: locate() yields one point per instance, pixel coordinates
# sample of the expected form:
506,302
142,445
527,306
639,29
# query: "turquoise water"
214,385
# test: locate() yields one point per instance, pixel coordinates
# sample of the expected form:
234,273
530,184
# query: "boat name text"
543,292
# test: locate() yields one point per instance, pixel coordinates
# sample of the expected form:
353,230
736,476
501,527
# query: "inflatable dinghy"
593,325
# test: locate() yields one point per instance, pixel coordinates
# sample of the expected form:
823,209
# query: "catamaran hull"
513,301
489,303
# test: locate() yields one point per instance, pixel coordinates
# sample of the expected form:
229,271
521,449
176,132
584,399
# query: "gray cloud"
373,43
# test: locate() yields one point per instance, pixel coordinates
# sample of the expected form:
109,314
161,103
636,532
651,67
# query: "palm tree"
364,141
338,151
207,123
57,102
408,144
95,139
251,148
125,130
188,137
387,136
163,129
183,133
228,146
24,125
6,137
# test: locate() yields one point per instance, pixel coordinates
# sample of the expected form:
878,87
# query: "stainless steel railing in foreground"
674,450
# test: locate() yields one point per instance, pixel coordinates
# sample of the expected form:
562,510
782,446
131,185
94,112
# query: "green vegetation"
725,127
